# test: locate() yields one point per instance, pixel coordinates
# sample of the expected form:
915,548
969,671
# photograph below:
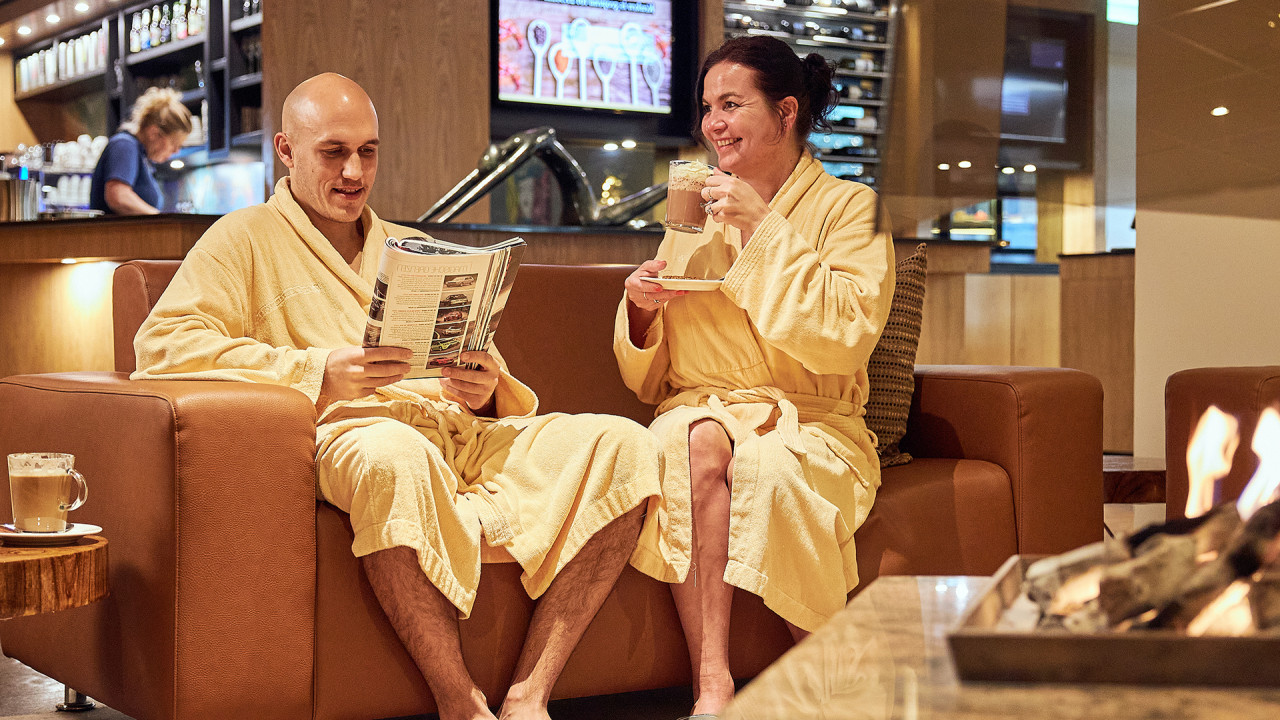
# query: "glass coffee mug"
686,210
43,488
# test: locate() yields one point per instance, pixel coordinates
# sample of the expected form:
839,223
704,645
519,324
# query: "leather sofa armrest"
1243,392
206,492
1042,425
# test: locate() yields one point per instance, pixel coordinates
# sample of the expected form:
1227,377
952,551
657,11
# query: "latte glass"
43,488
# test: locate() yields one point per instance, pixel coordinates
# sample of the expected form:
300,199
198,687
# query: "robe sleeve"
644,370
823,301
199,331
511,398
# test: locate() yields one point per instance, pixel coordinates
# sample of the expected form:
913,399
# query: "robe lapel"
805,174
375,235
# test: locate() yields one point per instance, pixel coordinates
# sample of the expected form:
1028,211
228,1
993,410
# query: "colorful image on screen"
606,54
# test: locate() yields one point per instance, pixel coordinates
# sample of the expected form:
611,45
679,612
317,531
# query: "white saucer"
19,538
685,283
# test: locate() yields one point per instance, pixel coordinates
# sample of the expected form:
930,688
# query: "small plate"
18,538
685,283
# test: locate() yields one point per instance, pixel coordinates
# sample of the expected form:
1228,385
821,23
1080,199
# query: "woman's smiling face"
740,123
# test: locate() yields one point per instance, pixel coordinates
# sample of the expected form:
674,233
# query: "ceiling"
1194,56
34,14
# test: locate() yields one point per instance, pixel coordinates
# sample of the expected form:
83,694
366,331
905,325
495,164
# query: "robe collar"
803,176
375,235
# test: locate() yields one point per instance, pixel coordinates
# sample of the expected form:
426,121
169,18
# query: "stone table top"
885,657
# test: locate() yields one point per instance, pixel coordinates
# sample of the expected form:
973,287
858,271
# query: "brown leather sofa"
234,592
1243,392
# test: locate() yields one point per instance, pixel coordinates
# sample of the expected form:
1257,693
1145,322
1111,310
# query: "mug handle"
82,490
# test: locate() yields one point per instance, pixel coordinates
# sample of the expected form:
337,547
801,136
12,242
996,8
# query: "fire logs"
1213,574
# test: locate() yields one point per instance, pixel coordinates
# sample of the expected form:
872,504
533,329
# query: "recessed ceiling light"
52,19
177,164
69,261
1219,111
609,146
628,144
82,7
1029,168
24,30
1007,170
964,164
944,166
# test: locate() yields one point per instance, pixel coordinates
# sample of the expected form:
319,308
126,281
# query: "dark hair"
779,74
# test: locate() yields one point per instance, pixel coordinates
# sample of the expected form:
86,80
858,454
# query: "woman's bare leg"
704,599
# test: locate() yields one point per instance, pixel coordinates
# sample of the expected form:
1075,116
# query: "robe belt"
788,424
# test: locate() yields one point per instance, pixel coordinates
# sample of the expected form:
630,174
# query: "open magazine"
440,299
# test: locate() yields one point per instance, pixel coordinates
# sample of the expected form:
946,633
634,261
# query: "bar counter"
55,275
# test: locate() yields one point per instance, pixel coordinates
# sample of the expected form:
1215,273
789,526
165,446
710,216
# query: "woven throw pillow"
891,370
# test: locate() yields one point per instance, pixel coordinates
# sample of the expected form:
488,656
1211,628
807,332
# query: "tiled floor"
28,695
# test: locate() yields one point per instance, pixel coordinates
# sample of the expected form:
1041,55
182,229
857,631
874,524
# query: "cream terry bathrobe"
264,297
778,355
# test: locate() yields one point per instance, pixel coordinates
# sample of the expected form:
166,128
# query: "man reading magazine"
428,469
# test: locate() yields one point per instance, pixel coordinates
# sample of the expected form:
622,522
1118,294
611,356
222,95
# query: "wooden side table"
44,579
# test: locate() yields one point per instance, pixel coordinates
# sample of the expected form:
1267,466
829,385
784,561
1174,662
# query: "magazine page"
497,299
436,299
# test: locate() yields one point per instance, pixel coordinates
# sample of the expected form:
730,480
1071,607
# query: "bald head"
329,142
316,100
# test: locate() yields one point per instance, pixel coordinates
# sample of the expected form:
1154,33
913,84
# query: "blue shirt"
125,160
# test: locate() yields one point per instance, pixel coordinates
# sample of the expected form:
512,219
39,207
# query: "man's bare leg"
704,600
563,613
427,624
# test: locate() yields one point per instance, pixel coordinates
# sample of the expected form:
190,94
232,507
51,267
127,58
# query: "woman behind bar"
124,180
760,385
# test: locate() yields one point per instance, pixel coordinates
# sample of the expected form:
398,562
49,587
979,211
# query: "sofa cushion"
891,371
938,516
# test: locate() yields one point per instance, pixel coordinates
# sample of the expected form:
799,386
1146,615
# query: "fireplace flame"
1264,486
1229,614
1209,454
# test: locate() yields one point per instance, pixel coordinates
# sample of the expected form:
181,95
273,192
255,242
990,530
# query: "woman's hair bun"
819,73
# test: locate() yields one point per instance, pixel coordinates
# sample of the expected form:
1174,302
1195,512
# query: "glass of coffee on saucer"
43,488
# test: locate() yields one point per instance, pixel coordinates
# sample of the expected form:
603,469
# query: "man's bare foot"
473,708
523,711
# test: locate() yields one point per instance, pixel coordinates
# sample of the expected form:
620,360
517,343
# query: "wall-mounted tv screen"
599,54
1033,97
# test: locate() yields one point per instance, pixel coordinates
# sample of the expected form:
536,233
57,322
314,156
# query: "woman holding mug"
124,180
760,383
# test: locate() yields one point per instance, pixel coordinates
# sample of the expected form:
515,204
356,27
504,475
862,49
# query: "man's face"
332,156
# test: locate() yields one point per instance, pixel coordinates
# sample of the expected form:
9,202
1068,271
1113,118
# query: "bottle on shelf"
155,25
165,29
195,17
180,19
144,32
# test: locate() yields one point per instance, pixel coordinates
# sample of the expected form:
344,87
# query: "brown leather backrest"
556,334
134,291
556,331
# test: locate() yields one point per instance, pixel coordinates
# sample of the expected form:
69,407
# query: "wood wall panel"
55,318
988,320
425,63
942,327
14,129
1098,335
1035,317
1010,320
